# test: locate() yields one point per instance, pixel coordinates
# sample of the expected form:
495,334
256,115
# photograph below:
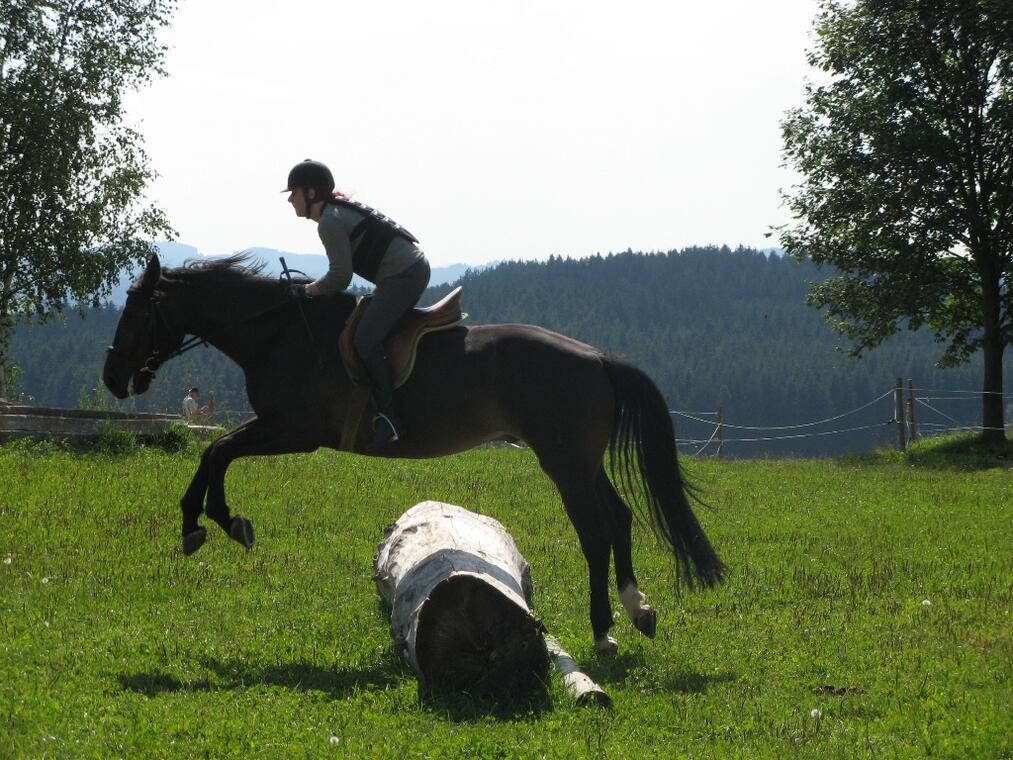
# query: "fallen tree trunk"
460,596
458,590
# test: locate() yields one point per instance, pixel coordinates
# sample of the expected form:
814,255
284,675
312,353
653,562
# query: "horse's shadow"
338,682
632,666
335,682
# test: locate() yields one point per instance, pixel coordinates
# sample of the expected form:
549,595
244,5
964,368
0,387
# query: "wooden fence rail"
20,421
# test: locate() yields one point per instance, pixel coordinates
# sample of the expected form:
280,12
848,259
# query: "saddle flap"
402,342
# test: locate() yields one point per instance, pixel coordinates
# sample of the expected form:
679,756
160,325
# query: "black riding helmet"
310,173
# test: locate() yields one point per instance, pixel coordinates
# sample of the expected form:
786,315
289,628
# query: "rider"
361,240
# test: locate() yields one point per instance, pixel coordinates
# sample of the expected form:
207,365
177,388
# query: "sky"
492,130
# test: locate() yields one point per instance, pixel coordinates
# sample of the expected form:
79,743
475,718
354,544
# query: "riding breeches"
393,297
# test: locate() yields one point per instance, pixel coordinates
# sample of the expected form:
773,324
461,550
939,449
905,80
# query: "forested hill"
712,326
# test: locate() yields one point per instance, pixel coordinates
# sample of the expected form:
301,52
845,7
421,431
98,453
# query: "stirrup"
379,439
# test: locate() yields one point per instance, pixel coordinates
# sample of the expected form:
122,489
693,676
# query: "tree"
72,173
906,158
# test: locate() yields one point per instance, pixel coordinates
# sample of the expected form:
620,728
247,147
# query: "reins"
287,274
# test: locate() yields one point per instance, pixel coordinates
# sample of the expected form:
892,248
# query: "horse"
585,414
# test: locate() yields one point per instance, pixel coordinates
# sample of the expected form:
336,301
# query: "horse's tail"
642,461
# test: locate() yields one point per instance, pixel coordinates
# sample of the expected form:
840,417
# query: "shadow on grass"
456,707
239,674
624,668
468,708
336,683
155,682
958,453
961,454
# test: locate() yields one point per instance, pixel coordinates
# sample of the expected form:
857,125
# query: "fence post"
912,429
721,431
898,413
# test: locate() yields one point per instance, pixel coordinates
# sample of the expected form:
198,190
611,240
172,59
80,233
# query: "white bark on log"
433,543
460,596
577,683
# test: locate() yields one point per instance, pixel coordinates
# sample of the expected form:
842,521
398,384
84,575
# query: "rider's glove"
299,290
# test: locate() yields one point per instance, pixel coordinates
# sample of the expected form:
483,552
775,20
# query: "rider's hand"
299,290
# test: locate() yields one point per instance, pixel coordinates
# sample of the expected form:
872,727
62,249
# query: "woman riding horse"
597,425
361,240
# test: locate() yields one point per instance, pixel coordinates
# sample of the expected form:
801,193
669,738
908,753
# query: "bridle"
155,315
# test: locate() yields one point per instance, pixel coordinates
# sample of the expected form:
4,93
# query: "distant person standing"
192,410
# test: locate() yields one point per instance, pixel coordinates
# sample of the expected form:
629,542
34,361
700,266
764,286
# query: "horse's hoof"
646,621
241,530
194,540
606,645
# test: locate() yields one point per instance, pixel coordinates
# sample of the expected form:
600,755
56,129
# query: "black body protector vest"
371,237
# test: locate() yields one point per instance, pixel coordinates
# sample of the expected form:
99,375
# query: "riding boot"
387,423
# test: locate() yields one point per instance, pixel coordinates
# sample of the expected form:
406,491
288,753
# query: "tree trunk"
6,328
992,406
992,419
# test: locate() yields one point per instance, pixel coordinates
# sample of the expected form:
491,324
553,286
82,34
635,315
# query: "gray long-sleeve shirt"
335,227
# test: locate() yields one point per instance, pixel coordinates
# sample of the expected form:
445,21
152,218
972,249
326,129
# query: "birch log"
459,593
460,599
576,681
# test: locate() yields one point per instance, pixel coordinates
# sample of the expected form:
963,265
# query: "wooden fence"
21,421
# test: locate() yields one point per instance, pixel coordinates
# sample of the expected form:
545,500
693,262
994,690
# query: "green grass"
113,644
950,452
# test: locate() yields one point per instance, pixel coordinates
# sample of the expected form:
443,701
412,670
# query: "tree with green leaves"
905,151
72,172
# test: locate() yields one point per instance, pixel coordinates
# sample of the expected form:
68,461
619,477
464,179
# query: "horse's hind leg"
583,511
586,512
643,616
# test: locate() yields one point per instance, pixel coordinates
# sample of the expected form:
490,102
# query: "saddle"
402,343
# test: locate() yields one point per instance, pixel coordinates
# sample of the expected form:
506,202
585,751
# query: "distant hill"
713,327
721,328
314,265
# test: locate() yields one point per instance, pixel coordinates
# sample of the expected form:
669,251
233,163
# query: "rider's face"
298,200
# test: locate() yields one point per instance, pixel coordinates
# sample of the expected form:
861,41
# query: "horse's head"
143,338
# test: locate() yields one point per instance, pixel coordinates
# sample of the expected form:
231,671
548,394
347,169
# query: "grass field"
867,614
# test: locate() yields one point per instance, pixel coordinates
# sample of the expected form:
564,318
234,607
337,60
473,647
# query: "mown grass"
877,592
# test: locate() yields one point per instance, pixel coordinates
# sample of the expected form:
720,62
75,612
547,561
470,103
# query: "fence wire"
952,395
786,427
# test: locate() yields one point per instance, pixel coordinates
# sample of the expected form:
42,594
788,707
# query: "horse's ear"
151,274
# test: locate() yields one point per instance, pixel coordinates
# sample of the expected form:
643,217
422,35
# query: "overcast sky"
492,129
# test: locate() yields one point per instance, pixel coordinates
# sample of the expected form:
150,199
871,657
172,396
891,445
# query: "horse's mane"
239,268
238,280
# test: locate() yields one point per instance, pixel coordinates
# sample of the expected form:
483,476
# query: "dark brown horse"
580,411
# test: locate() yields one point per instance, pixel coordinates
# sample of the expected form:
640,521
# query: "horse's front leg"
255,438
192,503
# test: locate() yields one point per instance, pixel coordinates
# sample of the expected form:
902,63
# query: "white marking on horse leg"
643,617
632,599
606,644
